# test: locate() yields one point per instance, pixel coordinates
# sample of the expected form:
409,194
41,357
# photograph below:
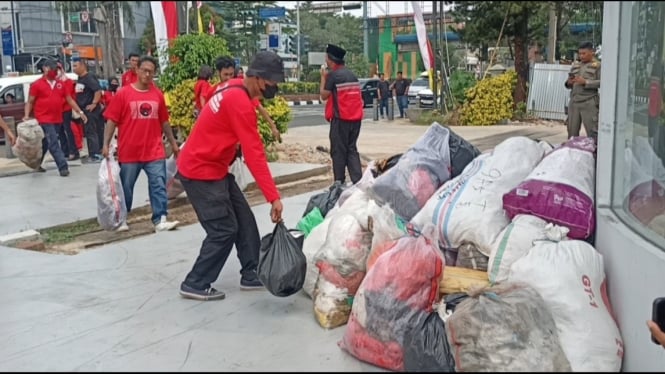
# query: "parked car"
19,87
416,86
425,99
369,90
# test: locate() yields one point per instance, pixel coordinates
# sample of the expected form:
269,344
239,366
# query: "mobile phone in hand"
658,315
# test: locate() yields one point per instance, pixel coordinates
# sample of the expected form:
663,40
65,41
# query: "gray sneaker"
204,295
251,282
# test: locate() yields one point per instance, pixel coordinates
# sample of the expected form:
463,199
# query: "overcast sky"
376,8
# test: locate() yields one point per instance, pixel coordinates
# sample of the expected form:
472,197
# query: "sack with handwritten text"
28,147
468,208
569,276
560,189
418,173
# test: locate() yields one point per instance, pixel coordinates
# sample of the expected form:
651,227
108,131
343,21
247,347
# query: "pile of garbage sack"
444,258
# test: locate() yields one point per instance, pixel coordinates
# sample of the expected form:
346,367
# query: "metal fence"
547,95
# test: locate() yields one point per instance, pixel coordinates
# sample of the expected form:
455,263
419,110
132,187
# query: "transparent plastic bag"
311,246
111,208
332,304
173,186
506,328
422,169
241,173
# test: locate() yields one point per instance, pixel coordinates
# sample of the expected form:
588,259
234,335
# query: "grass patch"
449,119
65,233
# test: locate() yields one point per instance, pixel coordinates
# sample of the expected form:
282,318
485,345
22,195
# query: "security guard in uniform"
584,82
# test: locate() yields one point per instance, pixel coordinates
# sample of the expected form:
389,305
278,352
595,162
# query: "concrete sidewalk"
379,139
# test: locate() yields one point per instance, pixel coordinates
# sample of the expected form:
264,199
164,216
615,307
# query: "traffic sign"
85,17
278,12
273,41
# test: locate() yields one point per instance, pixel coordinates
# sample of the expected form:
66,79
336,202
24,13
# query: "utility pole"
298,42
365,30
437,51
551,33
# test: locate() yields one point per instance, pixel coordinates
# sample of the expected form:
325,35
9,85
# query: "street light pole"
365,31
298,42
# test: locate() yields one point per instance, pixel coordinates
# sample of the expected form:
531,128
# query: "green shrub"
291,88
187,55
460,82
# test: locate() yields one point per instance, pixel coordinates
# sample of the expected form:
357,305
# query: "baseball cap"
267,65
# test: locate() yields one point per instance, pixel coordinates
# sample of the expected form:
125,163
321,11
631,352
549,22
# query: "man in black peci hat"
344,110
227,119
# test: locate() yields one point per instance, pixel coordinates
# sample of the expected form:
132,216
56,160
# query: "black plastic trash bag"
426,347
461,153
326,200
282,265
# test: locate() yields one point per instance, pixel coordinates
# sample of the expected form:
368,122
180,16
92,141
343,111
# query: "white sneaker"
122,227
165,225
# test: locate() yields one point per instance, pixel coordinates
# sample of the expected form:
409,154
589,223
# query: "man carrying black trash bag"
229,118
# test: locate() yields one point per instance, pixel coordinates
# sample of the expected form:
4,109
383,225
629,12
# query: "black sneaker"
40,170
64,173
203,295
251,282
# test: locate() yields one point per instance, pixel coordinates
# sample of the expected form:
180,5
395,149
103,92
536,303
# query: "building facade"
394,45
40,29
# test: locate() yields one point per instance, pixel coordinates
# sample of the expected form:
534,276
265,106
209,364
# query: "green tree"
343,30
147,42
484,21
187,54
358,64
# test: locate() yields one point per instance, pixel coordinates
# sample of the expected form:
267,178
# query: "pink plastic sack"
560,189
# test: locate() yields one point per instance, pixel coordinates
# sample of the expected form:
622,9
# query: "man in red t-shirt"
226,69
201,88
229,118
131,75
139,112
47,97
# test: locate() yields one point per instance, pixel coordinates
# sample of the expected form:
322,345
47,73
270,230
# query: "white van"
20,86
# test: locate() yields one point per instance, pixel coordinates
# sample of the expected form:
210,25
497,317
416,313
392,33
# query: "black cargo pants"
343,149
227,219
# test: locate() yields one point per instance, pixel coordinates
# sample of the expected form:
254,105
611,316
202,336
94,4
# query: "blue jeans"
51,143
403,104
156,172
383,103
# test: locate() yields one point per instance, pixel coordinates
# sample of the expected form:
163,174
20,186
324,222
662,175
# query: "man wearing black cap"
344,110
584,82
229,118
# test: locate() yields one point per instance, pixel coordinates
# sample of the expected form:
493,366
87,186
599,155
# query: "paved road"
312,115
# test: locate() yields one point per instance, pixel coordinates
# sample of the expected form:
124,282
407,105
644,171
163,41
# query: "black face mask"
270,91
113,87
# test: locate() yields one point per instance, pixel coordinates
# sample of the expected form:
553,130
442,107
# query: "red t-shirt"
129,77
229,118
107,96
139,116
201,88
49,100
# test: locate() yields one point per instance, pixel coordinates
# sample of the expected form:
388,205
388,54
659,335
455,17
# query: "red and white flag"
165,17
211,27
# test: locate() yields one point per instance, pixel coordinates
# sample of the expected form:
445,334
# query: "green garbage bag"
310,221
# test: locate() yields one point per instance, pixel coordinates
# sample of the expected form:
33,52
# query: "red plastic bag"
397,294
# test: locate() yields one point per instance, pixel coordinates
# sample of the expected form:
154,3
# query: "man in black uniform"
344,110
383,91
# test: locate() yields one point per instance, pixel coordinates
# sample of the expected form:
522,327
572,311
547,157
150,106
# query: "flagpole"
187,8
